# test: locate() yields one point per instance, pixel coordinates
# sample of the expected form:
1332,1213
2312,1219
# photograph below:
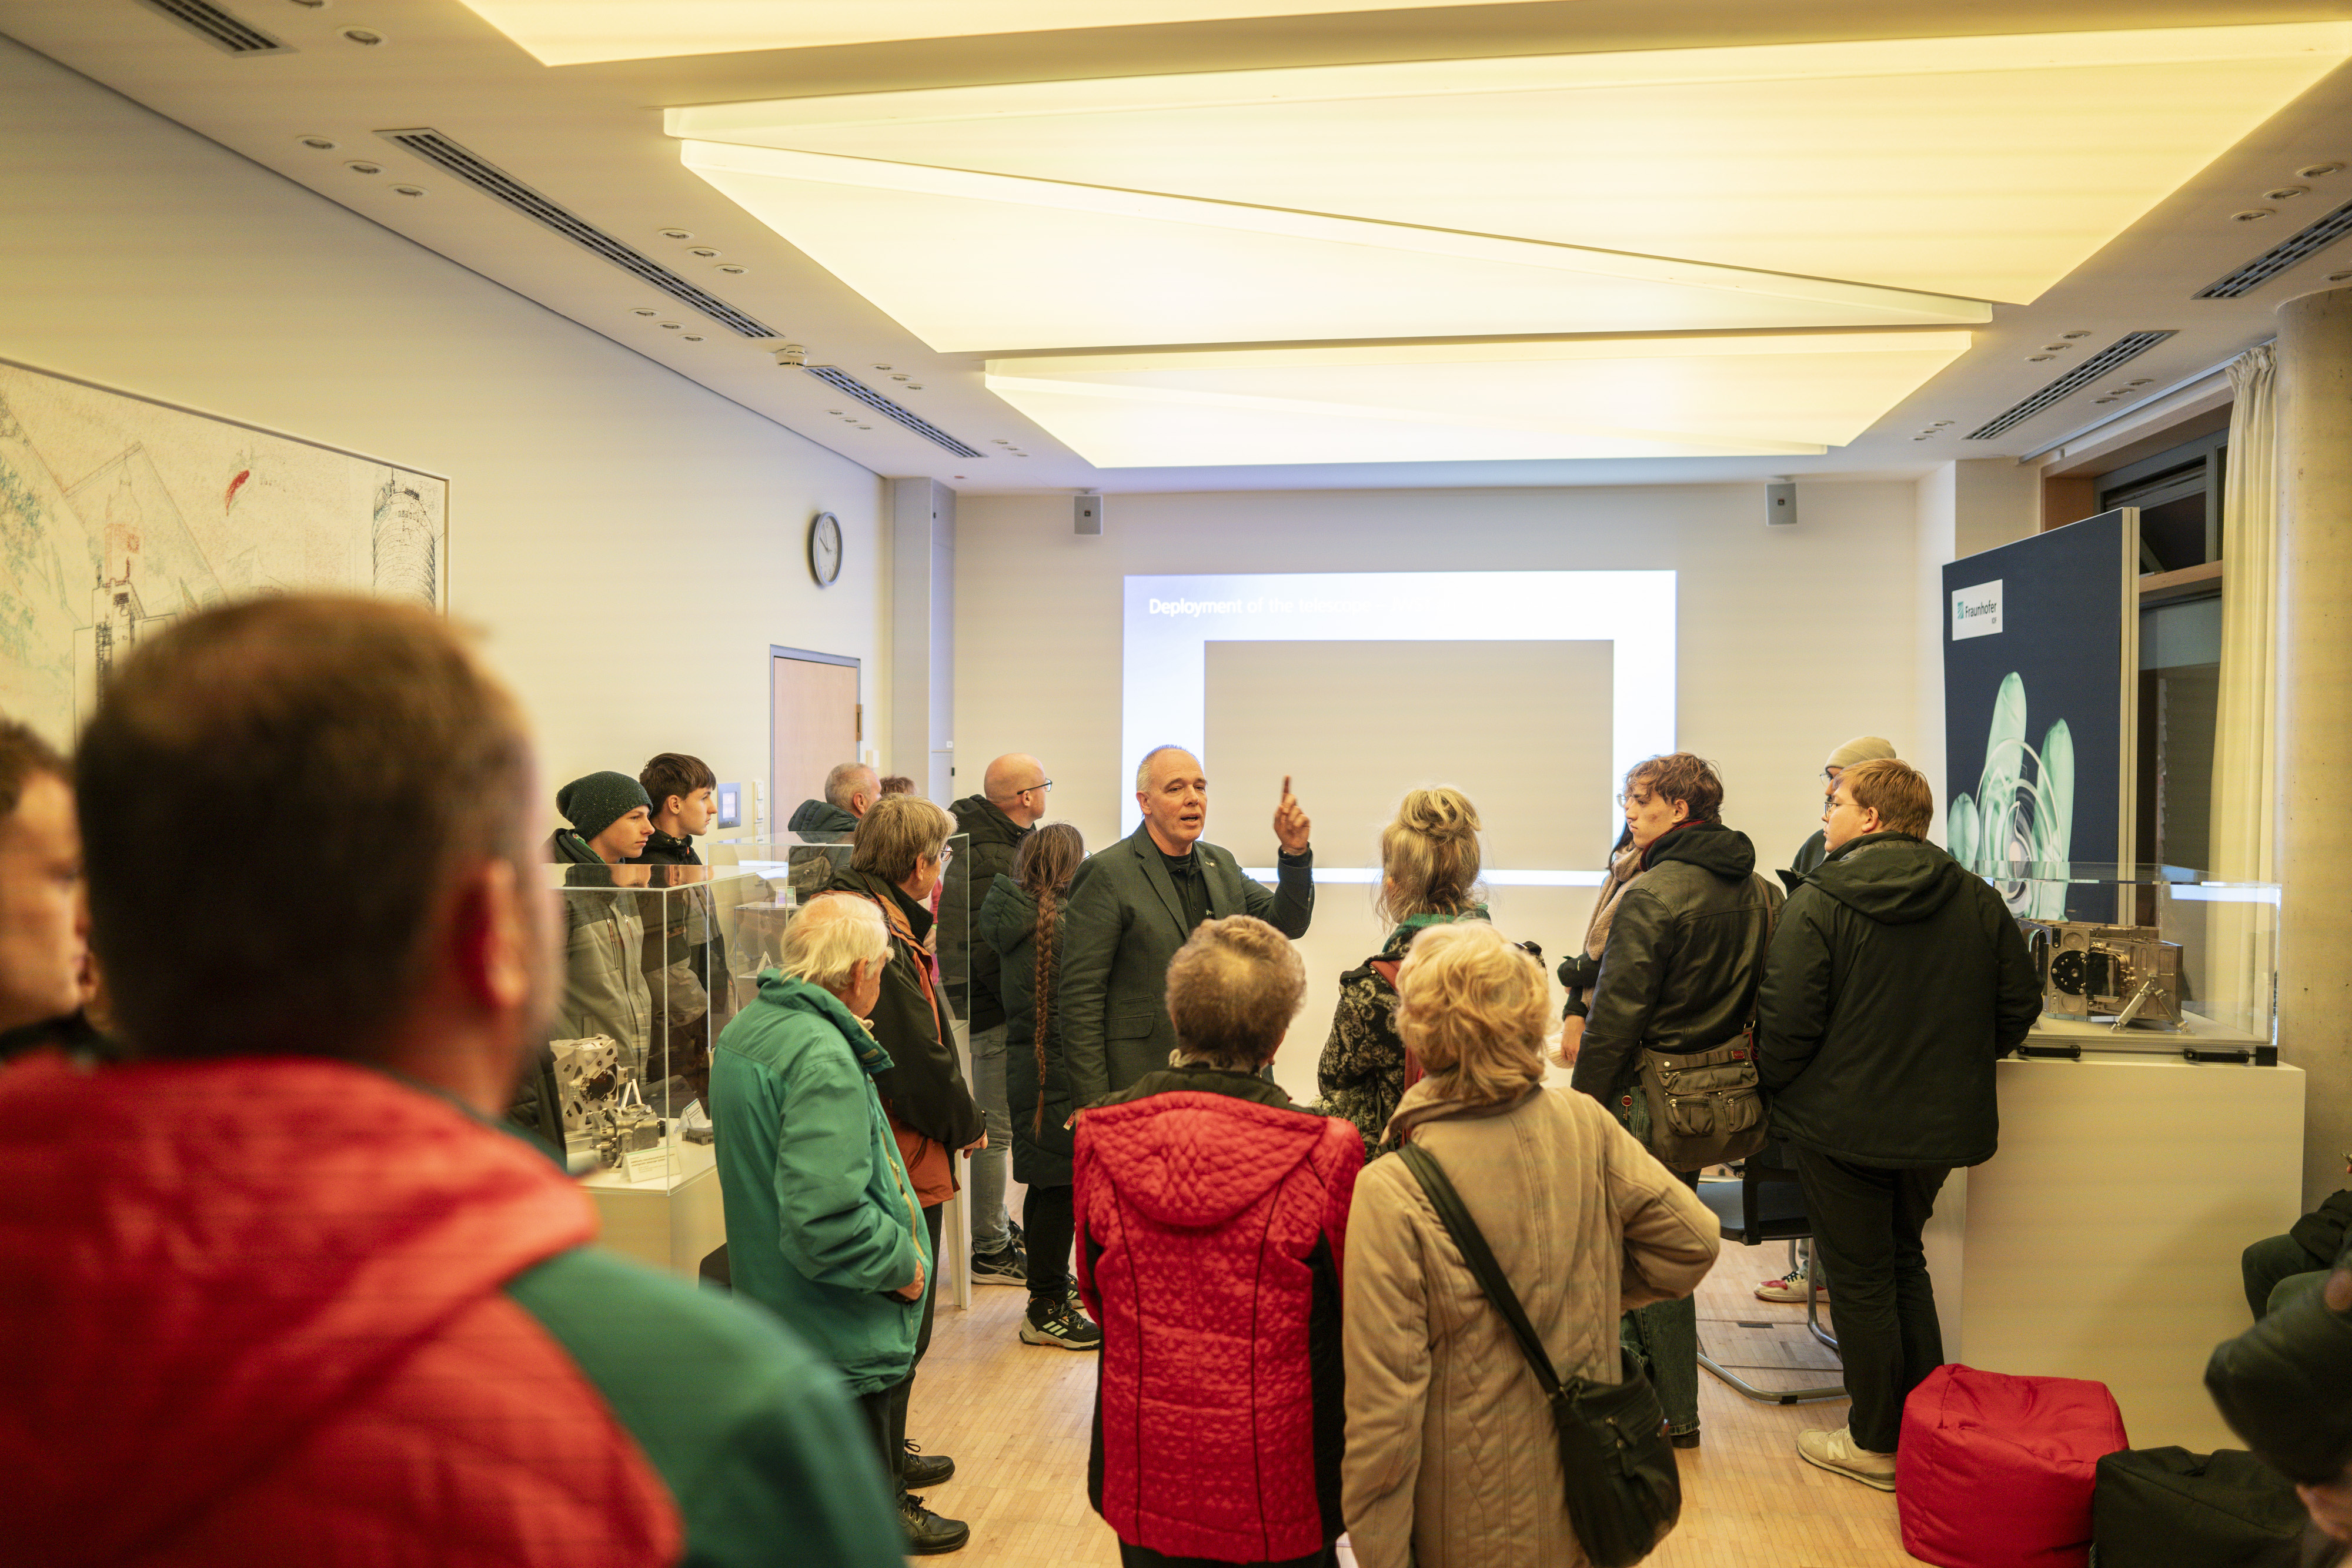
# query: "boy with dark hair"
682,789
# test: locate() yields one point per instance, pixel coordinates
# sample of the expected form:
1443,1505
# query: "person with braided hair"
1429,875
1022,920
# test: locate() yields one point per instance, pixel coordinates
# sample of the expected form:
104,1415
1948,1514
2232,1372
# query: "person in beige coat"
1451,1459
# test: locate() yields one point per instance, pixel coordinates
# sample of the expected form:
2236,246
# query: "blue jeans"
987,1169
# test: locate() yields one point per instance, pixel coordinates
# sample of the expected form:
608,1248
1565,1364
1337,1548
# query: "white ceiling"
2088,150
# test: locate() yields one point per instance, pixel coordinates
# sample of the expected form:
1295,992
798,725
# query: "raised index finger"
1285,786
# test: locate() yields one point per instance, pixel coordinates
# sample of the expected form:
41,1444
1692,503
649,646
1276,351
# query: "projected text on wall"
1479,701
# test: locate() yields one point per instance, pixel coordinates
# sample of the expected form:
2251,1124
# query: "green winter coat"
1008,922
822,1221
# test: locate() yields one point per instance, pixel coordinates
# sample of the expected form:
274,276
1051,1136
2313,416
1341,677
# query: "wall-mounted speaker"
1780,504
1087,516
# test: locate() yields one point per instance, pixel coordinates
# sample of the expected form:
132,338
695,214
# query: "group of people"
283,1254
1273,1374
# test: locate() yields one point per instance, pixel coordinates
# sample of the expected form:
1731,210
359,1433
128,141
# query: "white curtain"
2245,732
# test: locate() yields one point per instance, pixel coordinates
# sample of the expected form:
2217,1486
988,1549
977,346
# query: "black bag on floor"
2167,1508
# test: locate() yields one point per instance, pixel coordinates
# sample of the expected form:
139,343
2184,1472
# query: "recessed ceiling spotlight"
318,143
703,251
898,378
834,411
1004,444
694,337
914,386
2037,359
2286,192
2313,170
2074,334
731,269
865,427
2103,400
672,325
641,310
2250,216
2338,277
1941,423
367,36
2142,381
675,234
408,189
361,166
311,5
2055,348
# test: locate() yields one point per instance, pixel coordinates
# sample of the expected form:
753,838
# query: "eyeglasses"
1037,789
1642,800
946,854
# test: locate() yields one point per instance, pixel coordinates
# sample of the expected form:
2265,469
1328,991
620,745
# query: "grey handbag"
1706,1107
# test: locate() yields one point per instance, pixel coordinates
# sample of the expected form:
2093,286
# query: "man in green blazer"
1133,905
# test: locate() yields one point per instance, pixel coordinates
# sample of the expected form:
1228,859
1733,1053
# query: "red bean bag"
1995,1472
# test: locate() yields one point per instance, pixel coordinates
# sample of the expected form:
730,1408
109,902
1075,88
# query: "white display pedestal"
667,1227
2103,1240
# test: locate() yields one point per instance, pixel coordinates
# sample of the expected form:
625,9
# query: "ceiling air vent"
2128,347
218,29
2281,257
495,182
842,380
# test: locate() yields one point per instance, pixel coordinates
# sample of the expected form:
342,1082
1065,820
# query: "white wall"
1791,640
629,542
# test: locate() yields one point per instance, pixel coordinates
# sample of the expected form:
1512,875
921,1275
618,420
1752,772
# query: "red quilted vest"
1210,1229
256,1313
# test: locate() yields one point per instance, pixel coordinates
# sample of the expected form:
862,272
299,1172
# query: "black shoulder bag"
1623,1491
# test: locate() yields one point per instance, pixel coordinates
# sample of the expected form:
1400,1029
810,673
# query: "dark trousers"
1866,1224
886,1408
2275,1267
1144,1557
1049,1219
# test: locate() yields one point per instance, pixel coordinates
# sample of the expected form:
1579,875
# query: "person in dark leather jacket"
1684,956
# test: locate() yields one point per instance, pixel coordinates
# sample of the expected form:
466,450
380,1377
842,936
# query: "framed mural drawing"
119,514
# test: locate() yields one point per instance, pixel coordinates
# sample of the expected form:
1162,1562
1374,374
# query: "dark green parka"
1008,924
1895,981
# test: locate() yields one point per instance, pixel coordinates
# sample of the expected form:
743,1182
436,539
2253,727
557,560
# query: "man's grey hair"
1143,769
846,780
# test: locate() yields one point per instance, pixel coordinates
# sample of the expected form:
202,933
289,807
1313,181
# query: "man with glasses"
994,823
1861,748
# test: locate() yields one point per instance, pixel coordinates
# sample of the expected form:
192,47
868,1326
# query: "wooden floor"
1015,1417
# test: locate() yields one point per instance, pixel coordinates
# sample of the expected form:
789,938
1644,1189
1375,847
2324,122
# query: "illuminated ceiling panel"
576,32
1988,168
978,262
1678,397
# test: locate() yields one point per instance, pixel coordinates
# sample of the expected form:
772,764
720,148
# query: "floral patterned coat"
1362,1075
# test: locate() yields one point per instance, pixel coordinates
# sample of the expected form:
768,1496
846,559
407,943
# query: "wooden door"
815,725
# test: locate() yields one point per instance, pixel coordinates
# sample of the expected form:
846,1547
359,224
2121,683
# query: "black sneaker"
1012,1230
927,1533
1059,1323
1008,1267
920,1471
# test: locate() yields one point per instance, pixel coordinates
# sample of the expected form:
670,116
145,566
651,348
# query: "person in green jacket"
823,1225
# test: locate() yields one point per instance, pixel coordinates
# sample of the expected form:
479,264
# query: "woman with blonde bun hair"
1429,876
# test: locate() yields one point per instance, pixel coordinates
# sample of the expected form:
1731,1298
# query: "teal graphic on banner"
2022,808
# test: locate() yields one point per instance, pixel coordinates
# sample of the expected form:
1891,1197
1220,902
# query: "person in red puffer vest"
1212,1220
280,1289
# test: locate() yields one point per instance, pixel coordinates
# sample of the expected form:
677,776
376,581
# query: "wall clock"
824,548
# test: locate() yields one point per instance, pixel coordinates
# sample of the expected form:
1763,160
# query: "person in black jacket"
1684,954
994,824
895,862
686,961
1022,919
1896,979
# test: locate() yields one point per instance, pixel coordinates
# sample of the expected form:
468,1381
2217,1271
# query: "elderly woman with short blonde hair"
1211,1216
823,1227
1451,1461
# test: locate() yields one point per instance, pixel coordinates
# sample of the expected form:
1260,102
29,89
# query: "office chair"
1766,1204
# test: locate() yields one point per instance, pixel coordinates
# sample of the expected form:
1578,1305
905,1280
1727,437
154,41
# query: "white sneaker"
1835,1452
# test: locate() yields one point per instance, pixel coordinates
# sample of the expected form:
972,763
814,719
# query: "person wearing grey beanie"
611,818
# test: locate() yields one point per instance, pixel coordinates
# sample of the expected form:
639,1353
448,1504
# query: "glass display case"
652,964
2158,959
